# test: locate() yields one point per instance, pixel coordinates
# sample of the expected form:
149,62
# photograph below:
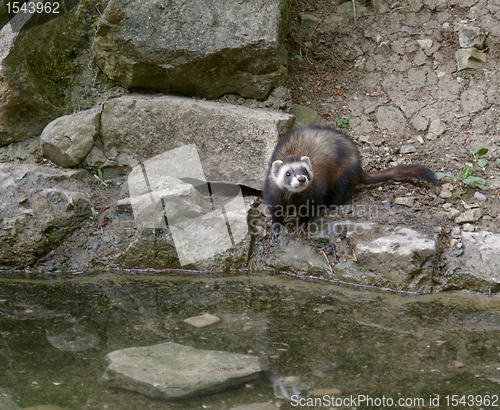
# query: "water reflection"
318,342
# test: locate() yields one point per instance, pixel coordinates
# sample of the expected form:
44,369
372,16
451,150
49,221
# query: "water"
356,344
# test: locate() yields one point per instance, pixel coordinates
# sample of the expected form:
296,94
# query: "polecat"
317,167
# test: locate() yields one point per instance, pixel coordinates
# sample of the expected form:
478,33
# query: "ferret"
317,167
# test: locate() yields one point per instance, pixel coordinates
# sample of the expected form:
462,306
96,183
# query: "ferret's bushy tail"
400,173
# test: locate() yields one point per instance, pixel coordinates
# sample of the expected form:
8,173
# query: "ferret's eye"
288,174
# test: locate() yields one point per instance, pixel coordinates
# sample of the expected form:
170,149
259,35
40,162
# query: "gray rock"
202,48
67,140
35,67
469,58
7,402
478,269
471,36
308,20
480,197
469,216
201,321
347,8
403,257
234,143
303,116
436,128
407,149
408,201
172,371
40,207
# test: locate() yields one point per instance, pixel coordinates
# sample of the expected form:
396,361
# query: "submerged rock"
173,371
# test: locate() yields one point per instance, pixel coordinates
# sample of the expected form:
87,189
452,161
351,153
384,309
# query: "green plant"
297,57
342,123
469,173
94,214
100,178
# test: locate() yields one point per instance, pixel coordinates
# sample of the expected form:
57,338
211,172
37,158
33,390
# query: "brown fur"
336,173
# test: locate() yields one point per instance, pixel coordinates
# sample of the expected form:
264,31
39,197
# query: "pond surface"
443,349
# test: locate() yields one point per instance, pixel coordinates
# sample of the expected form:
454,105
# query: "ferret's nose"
301,179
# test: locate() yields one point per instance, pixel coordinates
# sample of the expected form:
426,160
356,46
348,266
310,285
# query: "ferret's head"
292,173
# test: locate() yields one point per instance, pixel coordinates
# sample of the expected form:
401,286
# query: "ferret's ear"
275,167
307,160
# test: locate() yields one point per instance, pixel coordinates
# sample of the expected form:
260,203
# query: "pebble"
407,149
408,201
455,232
480,197
468,227
469,216
452,213
445,194
202,321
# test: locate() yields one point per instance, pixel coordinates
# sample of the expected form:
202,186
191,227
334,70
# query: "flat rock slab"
234,143
174,371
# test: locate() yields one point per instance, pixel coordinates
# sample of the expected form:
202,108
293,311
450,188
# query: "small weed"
342,123
94,215
298,57
469,173
100,178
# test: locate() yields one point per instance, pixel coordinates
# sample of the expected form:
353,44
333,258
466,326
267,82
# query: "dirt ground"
374,70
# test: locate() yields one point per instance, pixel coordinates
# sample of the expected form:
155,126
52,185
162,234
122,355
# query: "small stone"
452,213
383,48
469,58
468,227
307,20
420,139
436,128
377,141
448,186
445,194
346,8
202,321
469,37
480,197
407,149
447,205
469,216
425,44
455,232
408,201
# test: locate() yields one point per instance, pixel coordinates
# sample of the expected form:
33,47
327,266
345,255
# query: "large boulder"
234,143
198,48
40,207
39,71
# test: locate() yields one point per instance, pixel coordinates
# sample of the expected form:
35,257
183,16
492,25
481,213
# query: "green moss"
52,73
85,3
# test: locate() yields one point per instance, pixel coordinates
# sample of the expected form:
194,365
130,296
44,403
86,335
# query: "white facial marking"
279,174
